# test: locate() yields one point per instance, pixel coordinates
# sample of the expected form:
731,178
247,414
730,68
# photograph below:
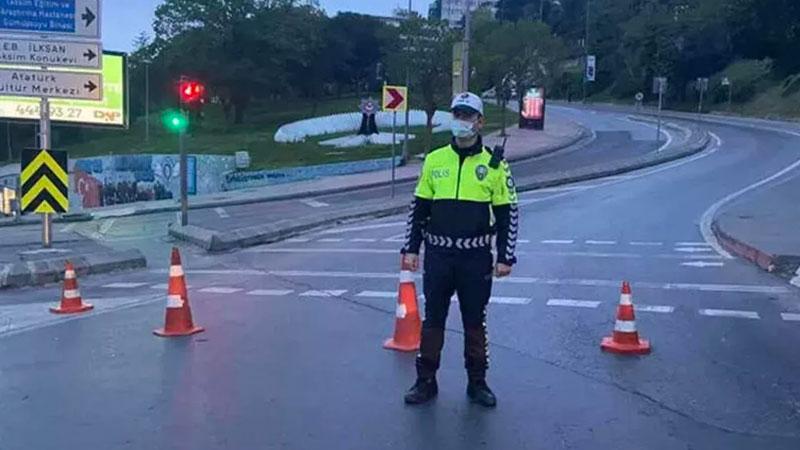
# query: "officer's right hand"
411,261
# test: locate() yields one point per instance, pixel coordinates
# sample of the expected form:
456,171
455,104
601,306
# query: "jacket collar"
469,151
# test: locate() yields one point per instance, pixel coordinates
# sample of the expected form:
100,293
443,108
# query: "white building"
453,10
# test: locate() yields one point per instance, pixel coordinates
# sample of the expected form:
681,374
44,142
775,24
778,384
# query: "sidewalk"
23,261
764,228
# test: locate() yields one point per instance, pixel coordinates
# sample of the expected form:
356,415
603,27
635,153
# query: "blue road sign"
77,18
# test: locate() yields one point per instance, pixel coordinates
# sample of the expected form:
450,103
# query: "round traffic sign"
639,96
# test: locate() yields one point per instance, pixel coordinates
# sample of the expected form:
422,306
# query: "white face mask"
463,129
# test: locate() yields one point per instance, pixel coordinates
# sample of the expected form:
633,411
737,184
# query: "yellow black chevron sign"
45,183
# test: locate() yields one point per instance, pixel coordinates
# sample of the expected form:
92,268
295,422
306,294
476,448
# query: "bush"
791,85
747,78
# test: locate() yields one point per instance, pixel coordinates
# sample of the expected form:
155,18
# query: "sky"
123,20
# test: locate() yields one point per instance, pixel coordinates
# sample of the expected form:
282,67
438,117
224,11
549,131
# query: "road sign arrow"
90,55
88,17
702,264
90,86
397,98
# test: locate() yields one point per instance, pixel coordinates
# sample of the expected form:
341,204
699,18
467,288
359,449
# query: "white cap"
467,100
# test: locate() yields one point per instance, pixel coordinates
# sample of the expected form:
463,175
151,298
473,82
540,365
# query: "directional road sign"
395,98
45,183
79,18
26,52
51,84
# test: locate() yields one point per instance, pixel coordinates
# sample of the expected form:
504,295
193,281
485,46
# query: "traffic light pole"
44,144
184,181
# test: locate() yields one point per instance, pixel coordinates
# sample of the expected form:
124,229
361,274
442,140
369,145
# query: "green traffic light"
175,121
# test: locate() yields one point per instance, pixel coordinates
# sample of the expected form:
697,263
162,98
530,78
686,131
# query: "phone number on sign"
56,112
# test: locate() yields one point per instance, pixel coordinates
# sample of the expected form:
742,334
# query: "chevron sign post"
395,98
45,183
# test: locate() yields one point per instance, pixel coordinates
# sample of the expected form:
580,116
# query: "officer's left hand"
502,270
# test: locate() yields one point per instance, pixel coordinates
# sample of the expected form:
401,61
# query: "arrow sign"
395,98
50,84
29,52
79,18
702,264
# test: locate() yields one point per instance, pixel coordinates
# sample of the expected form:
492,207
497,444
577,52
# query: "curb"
46,271
66,218
786,267
215,241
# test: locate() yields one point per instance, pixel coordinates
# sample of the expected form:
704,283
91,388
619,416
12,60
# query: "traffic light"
191,92
175,121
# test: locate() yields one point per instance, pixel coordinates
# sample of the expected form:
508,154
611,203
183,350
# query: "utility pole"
147,101
408,110
586,50
467,35
44,144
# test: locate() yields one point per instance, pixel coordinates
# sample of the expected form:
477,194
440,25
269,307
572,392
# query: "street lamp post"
467,34
408,110
586,50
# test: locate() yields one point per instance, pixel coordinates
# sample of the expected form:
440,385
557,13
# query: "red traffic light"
191,91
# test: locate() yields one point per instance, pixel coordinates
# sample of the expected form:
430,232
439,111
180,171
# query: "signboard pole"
394,150
44,144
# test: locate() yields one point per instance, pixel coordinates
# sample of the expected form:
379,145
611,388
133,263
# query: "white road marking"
43,251
573,303
314,203
161,286
365,227
729,313
396,238
270,292
377,294
654,309
363,240
510,300
692,249
324,293
790,317
646,244
124,285
555,189
105,227
68,228
702,264
558,241
298,240
601,242
523,241
221,290
222,213
331,240
325,250
692,244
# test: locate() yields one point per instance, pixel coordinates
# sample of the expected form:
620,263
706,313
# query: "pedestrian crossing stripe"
45,182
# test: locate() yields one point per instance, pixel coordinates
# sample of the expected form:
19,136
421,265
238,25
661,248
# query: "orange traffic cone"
408,326
625,340
71,301
178,320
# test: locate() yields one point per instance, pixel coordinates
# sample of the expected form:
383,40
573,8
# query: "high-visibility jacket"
462,199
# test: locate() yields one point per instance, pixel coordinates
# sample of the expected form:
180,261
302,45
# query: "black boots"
423,391
478,392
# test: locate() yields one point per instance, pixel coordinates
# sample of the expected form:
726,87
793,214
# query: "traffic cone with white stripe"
178,319
408,326
71,301
625,340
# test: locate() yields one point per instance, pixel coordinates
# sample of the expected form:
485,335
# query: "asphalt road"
292,354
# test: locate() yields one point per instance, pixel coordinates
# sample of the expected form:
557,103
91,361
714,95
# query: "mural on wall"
114,180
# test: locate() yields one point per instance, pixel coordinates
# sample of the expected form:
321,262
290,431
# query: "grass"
216,136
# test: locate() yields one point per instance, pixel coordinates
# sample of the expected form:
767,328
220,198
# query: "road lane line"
510,300
68,228
324,250
790,317
396,238
124,285
692,244
363,240
270,292
222,213
558,241
601,242
323,293
654,309
646,244
298,240
364,228
105,227
220,290
331,240
160,286
314,203
523,241
377,294
729,313
572,303
703,264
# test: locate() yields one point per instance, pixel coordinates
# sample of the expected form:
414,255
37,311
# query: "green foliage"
747,77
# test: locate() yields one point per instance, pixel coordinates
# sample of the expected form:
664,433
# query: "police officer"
465,196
